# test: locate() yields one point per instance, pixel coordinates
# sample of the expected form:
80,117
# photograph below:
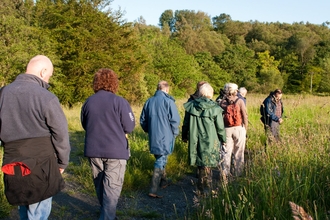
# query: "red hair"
105,79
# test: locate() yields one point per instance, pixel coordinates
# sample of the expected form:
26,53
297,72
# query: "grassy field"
295,170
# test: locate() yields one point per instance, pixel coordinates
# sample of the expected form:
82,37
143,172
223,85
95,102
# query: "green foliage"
168,61
239,62
211,71
81,37
268,74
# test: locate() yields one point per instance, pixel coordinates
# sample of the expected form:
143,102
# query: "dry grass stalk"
298,213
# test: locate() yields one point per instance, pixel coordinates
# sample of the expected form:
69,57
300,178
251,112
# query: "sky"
283,11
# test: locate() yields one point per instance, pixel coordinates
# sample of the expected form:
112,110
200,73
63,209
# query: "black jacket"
43,180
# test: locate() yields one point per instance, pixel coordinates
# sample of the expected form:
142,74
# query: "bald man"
34,133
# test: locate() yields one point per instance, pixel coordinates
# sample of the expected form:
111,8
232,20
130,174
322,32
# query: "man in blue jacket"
271,112
160,119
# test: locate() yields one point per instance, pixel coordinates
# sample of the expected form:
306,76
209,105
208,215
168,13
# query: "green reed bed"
297,169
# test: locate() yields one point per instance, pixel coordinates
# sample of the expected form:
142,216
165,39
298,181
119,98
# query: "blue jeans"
108,175
161,161
37,211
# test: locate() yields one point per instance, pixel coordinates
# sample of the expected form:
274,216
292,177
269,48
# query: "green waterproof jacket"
203,127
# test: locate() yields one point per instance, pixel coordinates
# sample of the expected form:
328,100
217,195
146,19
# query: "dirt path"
177,203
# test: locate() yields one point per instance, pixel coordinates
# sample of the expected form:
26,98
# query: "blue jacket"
106,119
269,110
160,119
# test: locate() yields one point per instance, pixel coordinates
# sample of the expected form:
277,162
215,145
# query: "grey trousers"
108,176
273,132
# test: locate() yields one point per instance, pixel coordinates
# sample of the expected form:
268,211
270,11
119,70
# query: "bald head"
40,66
163,86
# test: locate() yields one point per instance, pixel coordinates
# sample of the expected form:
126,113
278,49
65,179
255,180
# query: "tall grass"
296,169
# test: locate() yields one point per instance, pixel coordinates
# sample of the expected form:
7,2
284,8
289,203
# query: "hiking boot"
164,182
155,182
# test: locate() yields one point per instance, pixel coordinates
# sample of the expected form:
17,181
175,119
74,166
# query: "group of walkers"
34,134
216,131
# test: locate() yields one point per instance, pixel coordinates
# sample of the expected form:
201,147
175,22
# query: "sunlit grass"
294,170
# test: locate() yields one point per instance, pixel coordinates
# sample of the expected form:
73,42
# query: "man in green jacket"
205,131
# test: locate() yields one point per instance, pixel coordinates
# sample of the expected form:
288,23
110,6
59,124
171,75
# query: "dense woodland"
81,36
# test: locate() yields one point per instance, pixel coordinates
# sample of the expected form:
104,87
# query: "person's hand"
61,170
280,120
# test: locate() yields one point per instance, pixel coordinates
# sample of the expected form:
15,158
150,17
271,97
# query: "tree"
20,41
211,71
89,39
324,85
167,19
234,30
268,74
239,62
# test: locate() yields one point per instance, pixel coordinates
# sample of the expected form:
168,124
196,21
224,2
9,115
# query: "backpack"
232,116
262,110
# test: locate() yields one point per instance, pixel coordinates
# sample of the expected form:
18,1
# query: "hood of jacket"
203,106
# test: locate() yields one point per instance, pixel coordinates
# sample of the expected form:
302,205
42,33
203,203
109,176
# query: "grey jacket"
29,110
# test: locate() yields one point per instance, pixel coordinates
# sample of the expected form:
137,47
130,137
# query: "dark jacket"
160,119
268,109
204,128
32,111
30,174
107,118
193,96
33,128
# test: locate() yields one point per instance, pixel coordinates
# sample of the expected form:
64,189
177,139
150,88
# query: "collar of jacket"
161,93
32,78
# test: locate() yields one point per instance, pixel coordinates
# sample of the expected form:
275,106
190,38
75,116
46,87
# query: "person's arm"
242,106
220,128
127,118
82,116
58,128
174,118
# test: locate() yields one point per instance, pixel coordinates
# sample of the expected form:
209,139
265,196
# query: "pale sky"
283,11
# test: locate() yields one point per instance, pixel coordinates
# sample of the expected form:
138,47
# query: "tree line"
81,36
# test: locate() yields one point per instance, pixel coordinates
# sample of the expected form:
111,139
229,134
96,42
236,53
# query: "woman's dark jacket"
107,118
